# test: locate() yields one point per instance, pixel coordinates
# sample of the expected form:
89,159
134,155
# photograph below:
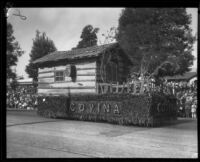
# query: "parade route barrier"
124,109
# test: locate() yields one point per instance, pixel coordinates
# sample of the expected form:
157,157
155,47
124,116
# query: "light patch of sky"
64,27
194,26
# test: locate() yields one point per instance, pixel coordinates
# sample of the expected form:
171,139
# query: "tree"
13,51
159,40
88,36
42,46
109,37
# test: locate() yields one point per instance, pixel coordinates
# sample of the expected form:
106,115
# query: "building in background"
27,84
188,77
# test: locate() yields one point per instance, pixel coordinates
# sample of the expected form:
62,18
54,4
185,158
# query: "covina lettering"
97,107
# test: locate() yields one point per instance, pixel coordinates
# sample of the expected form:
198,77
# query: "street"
31,136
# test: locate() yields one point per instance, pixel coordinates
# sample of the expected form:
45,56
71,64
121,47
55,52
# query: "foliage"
88,37
109,37
13,51
163,106
42,46
13,84
159,40
133,109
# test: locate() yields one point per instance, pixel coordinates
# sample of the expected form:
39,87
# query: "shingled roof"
88,52
185,76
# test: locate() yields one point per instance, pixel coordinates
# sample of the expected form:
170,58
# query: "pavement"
32,136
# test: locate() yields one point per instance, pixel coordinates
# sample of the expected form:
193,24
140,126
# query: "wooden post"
97,88
173,89
128,88
105,88
152,87
142,87
122,90
147,87
101,88
111,90
134,88
117,88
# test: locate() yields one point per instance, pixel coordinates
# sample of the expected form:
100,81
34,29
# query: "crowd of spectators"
186,95
21,98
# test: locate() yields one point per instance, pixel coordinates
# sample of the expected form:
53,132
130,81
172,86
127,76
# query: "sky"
64,27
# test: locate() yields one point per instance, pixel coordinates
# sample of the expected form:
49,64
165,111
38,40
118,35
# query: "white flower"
43,99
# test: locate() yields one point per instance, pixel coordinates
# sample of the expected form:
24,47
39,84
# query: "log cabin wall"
52,68
85,80
124,65
122,69
98,74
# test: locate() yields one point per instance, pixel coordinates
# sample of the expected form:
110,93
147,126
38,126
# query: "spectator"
20,98
188,106
193,110
183,100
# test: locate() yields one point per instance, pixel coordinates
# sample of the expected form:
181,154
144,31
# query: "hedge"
123,109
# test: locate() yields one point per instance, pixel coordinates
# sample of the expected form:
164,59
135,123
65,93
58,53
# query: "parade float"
91,84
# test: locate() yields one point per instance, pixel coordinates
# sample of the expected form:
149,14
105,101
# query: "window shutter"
73,73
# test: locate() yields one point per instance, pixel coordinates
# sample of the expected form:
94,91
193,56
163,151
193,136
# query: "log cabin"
80,70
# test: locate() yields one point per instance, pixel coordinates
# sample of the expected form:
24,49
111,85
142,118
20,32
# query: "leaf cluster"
13,51
138,110
153,36
88,37
42,46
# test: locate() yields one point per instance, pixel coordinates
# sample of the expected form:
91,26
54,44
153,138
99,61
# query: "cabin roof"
185,76
88,52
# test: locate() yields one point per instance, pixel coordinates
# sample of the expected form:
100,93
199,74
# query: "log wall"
85,80
122,70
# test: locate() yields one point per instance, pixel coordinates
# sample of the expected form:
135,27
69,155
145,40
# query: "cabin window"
59,76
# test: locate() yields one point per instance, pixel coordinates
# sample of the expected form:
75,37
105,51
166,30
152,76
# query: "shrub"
124,109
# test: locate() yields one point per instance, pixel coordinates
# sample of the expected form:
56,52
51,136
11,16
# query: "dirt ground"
31,136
